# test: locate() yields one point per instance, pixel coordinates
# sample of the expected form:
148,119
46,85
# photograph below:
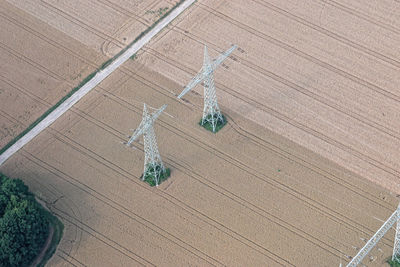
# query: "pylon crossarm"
157,113
138,132
146,122
195,81
374,239
222,57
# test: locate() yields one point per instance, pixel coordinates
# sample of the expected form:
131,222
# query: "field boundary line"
91,81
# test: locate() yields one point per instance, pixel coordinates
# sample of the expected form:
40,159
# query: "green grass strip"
84,81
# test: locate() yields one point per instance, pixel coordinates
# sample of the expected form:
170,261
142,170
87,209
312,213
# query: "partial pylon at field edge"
211,111
394,218
152,158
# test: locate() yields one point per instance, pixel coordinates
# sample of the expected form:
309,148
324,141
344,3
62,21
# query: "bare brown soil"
294,179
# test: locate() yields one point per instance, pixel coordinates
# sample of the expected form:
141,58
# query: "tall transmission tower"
153,165
395,217
211,111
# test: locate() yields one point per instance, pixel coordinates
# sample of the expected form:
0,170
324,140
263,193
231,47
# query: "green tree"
3,203
23,226
14,187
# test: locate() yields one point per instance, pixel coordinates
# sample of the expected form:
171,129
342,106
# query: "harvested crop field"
242,197
324,74
39,66
106,26
300,175
49,47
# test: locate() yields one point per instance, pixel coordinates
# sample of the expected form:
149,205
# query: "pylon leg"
396,246
153,164
211,111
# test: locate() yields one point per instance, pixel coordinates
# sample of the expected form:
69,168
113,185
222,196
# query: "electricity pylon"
153,164
396,246
211,111
395,217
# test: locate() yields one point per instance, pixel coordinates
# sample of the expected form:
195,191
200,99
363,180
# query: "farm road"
98,78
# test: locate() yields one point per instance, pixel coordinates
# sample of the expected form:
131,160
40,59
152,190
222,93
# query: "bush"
23,224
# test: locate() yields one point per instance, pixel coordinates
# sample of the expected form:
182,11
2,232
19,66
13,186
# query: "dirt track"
246,196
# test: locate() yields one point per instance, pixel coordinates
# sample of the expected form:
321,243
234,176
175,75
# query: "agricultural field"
105,26
243,196
323,74
39,66
49,47
303,174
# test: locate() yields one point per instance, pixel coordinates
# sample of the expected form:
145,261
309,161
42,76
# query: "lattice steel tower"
153,164
396,246
394,218
211,111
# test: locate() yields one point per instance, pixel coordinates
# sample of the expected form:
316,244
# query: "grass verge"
208,125
58,231
150,178
85,80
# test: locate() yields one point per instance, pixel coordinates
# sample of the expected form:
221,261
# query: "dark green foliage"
208,125
149,175
23,224
393,263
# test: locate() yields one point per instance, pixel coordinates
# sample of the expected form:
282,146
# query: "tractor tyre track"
200,180
108,201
